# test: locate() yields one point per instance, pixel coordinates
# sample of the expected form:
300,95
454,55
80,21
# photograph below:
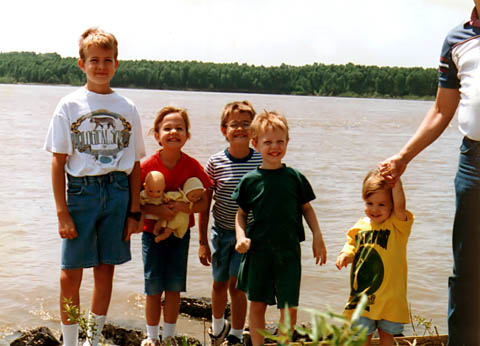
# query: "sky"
256,32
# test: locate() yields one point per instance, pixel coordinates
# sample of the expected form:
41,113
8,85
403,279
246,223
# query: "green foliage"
87,325
327,328
315,79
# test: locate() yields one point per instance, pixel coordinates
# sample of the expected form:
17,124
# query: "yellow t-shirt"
379,268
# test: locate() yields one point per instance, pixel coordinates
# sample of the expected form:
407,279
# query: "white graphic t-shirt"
100,133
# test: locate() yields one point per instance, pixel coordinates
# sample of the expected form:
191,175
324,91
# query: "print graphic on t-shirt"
101,134
367,268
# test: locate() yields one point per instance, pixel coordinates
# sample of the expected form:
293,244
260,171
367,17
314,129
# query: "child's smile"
378,206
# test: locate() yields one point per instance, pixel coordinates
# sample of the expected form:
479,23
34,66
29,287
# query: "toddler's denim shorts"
98,206
225,259
165,263
392,328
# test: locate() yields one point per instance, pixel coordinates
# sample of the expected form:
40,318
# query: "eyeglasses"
234,125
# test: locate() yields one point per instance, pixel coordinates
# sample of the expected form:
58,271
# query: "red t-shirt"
186,168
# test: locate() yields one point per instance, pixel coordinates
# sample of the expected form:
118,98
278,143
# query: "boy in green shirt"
278,196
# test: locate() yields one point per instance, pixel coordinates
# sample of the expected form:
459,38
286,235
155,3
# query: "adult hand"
392,168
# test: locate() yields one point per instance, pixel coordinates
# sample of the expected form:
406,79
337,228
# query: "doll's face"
195,195
154,187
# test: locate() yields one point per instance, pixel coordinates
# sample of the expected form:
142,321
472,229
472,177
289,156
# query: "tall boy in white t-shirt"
96,139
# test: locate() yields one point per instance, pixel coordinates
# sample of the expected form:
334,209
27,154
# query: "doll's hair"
99,38
374,182
268,120
239,106
167,111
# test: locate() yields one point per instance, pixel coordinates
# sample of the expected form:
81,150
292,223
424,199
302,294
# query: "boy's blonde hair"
240,106
99,38
268,120
374,182
170,110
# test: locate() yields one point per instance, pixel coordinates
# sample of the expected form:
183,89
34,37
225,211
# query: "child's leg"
219,303
170,313
153,309
239,305
257,322
102,292
171,307
102,288
70,281
386,339
293,316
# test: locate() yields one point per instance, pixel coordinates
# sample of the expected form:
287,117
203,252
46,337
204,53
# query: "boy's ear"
224,130
81,64
254,143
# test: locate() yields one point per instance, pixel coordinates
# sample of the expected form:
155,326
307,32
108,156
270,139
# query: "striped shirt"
226,171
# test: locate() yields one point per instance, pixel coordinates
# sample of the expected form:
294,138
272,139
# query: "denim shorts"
98,206
393,328
165,263
225,259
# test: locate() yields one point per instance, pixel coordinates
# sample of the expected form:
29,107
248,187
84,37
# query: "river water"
334,141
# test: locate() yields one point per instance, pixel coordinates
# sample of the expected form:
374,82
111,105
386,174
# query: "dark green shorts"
271,276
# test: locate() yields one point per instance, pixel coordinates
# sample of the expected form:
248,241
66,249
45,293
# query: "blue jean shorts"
98,206
393,328
225,259
165,263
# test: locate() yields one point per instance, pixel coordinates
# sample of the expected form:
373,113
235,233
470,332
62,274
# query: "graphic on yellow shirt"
368,268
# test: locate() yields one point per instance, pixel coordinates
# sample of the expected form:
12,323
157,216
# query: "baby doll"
153,193
192,192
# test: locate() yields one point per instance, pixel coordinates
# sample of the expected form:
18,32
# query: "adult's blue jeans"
464,284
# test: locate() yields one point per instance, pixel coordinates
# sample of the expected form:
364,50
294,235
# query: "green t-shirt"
276,198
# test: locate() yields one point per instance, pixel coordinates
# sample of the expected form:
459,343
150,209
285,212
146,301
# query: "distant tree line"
315,79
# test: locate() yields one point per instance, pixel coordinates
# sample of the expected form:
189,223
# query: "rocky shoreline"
197,308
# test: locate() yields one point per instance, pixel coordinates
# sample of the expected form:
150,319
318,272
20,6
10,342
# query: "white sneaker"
216,340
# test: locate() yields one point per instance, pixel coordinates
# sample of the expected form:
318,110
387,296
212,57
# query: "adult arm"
66,226
204,253
432,126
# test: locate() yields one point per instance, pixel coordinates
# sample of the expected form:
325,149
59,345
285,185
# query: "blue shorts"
225,259
98,206
393,328
165,263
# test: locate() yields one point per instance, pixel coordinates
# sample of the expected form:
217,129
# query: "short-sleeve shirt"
276,198
379,267
459,69
100,133
186,168
226,171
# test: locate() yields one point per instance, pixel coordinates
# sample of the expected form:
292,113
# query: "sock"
99,323
70,334
237,332
217,325
168,330
153,332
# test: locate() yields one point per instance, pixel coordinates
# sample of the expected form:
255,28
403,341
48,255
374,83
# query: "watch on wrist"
134,215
